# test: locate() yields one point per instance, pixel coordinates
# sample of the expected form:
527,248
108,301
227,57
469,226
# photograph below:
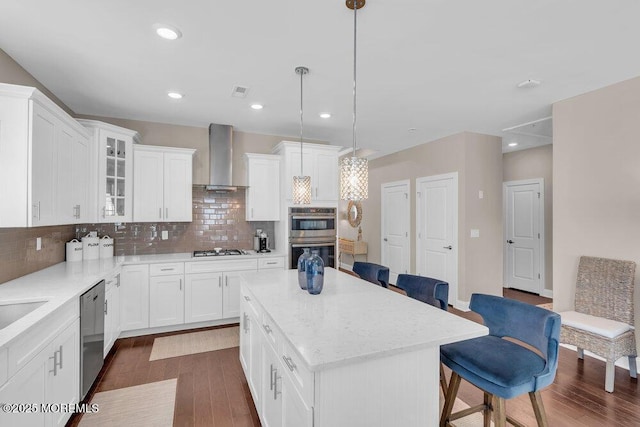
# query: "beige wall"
536,163
11,72
477,159
596,173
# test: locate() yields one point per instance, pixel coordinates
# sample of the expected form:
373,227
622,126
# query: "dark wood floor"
212,390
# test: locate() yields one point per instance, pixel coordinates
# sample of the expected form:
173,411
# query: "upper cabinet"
162,184
43,161
263,192
111,163
320,162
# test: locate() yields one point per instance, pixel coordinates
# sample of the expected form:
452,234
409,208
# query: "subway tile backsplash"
218,221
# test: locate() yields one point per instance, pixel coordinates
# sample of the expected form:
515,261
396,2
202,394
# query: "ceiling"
426,69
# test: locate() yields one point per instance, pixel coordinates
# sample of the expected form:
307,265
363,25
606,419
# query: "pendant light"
301,184
354,171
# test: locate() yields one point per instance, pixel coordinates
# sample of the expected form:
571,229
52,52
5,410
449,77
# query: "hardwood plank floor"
212,390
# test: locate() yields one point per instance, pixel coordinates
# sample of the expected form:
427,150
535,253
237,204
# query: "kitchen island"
357,354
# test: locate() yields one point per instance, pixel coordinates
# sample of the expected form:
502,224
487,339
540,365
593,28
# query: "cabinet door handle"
60,366
118,280
106,307
272,263
79,207
180,284
290,363
104,212
160,213
166,269
166,213
267,328
275,384
251,212
55,363
226,281
246,322
271,378
219,281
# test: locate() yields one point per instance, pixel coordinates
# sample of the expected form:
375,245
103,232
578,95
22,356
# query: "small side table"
351,247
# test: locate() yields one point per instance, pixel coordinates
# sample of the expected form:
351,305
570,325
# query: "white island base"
355,355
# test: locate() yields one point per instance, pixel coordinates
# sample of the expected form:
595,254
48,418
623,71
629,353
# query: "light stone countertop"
65,281
352,320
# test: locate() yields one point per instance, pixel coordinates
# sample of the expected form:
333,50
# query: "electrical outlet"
480,194
475,232
38,243
165,234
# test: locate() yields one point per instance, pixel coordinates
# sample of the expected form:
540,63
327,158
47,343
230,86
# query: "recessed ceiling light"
529,83
175,95
257,106
167,31
513,144
325,115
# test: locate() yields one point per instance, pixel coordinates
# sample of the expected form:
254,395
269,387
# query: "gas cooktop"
221,252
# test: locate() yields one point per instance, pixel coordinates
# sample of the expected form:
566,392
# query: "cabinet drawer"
219,265
31,342
249,301
274,262
166,269
301,378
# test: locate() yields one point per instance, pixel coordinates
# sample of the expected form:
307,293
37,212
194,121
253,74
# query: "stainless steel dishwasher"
92,309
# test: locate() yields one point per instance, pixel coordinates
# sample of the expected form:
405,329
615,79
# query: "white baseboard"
547,293
462,305
346,266
174,328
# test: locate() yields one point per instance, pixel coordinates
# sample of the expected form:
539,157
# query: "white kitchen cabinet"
263,192
251,347
111,163
231,295
112,312
271,411
203,297
295,413
43,156
49,377
320,163
134,297
166,300
162,189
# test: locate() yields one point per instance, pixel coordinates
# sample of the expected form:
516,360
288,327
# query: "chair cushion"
597,325
496,365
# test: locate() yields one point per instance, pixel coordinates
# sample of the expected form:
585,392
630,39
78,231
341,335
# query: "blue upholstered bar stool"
432,291
502,368
373,273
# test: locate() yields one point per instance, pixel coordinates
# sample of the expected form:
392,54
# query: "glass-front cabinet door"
115,178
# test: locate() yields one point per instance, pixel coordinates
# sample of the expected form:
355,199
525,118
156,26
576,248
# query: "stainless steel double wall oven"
313,228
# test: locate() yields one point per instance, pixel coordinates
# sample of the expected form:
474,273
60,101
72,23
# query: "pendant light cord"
301,123
355,25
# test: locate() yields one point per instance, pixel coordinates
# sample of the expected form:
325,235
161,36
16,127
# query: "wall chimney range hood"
220,158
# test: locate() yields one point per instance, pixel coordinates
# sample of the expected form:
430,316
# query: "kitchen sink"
9,313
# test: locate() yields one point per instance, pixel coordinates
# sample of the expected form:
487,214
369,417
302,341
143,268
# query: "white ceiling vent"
240,91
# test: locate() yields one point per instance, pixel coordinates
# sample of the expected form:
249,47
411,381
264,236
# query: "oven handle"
311,245
312,217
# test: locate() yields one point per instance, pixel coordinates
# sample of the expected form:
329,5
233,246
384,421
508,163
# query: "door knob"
447,247
385,239
509,241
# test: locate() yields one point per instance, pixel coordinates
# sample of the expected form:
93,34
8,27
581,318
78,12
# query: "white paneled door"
523,235
395,228
437,230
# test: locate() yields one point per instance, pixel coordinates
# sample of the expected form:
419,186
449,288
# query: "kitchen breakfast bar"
355,355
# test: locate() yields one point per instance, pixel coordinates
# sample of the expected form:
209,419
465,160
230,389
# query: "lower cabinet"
134,297
51,377
166,300
203,297
111,312
276,378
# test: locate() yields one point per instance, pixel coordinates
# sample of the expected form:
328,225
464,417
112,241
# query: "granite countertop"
352,320
65,281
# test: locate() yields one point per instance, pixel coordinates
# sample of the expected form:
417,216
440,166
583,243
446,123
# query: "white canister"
90,248
106,247
74,250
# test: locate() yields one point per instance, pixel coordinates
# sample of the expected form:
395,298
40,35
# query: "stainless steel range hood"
220,158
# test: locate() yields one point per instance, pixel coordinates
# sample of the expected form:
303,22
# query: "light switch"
165,234
38,243
480,194
475,232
